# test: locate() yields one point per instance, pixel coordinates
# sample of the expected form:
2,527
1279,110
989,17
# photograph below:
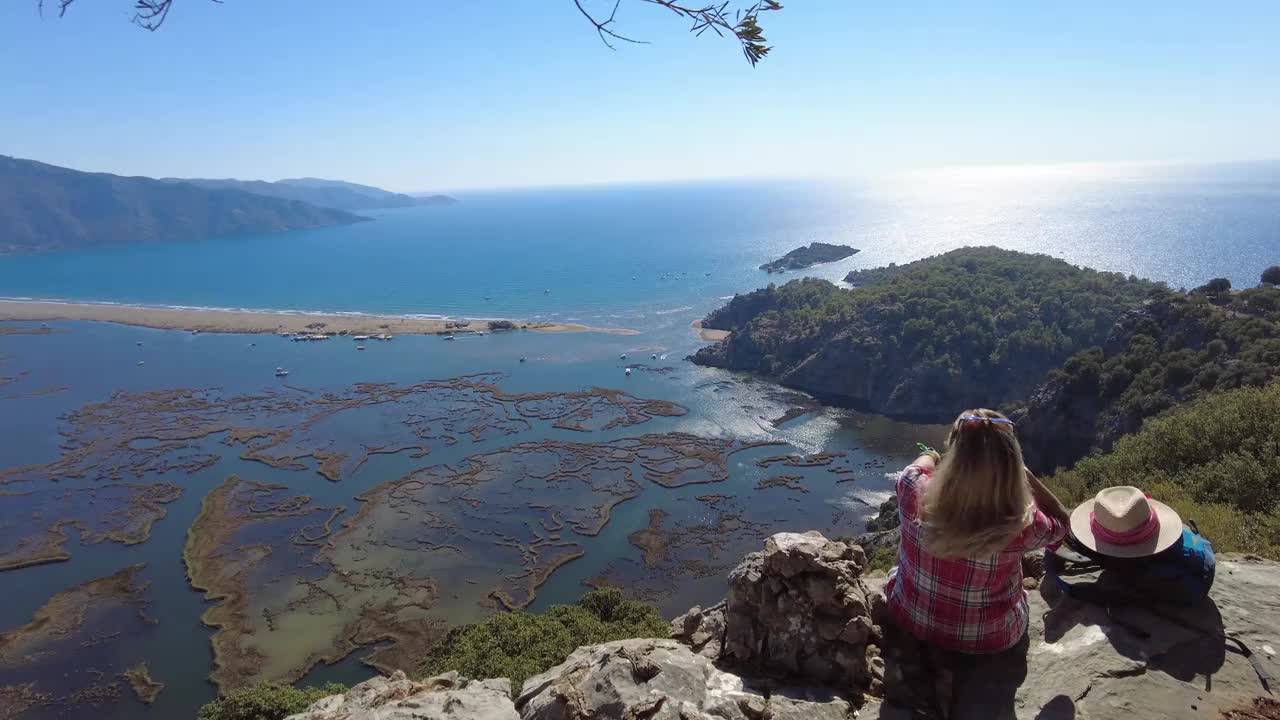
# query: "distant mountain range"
325,193
45,207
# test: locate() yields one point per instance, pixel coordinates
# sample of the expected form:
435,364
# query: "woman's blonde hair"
978,500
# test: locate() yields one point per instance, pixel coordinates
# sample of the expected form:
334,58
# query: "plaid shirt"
969,605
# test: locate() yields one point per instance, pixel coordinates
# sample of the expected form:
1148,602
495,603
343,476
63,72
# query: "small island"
815,254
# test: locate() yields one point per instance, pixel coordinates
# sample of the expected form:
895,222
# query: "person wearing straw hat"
1122,522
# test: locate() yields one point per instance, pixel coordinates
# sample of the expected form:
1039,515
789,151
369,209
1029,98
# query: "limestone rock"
663,680
702,630
1083,663
444,697
799,609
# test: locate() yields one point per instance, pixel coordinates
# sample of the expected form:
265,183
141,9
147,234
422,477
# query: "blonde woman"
965,528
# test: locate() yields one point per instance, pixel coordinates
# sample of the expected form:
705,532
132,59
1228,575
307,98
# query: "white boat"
281,372
359,347
522,358
628,371
382,336
654,356
623,356
448,337
142,362
359,338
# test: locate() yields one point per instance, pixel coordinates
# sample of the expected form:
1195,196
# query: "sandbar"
707,334
242,321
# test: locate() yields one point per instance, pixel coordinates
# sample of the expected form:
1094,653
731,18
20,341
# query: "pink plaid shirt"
969,605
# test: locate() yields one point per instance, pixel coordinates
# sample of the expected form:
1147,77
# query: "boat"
382,336
281,372
623,356
139,343
654,356
359,338
359,347
522,358
448,337
628,371
44,325
142,362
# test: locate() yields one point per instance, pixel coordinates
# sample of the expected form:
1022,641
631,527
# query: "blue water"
627,254
651,258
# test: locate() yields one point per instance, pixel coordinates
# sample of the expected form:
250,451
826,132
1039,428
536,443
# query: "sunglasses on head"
979,418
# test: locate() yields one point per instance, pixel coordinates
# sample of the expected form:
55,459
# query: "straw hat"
1124,522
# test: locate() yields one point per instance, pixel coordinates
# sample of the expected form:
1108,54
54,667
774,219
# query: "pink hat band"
1129,537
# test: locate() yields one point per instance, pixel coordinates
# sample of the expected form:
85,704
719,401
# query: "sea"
651,258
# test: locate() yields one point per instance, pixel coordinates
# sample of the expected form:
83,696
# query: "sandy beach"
707,334
230,321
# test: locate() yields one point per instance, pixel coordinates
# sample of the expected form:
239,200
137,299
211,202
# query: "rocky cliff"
802,635
1170,349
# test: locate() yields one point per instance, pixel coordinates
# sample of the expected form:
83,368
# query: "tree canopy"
972,327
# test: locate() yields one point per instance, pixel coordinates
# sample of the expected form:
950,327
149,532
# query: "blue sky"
419,95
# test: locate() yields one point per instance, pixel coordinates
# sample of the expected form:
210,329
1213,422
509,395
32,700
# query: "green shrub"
882,559
266,702
1215,460
1271,276
518,645
501,325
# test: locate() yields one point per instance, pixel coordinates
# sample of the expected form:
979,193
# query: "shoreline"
707,334
253,322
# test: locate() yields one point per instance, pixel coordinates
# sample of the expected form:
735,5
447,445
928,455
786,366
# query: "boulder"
799,609
702,630
443,697
664,680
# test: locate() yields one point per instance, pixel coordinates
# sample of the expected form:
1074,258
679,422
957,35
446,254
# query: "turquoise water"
630,255
651,258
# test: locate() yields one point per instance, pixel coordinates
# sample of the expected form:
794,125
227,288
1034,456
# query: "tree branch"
743,24
602,27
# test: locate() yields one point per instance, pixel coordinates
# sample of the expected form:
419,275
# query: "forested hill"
325,193
45,207
973,327
1171,349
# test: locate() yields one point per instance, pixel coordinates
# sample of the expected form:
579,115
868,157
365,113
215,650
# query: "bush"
1214,286
883,558
1271,275
501,325
266,702
1215,460
518,645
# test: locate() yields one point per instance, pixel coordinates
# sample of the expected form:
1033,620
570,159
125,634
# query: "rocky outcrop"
801,576
795,639
444,697
665,680
887,518
815,254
